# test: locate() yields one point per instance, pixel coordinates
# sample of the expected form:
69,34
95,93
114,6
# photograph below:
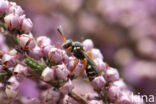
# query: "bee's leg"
84,66
90,54
69,49
75,63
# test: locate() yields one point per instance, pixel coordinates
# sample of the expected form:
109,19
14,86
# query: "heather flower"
43,41
56,55
26,24
46,49
97,53
67,87
20,69
8,60
119,83
101,65
88,44
50,95
3,6
48,74
15,9
61,71
78,69
12,21
11,89
112,74
98,82
114,92
36,53
13,52
26,41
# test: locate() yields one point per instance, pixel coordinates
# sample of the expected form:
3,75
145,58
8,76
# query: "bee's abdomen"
91,73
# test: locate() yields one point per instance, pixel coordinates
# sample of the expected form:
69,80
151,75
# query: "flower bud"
26,24
20,69
98,82
48,74
13,52
88,44
26,41
100,64
114,93
15,9
12,21
67,87
119,83
78,69
43,41
56,55
51,95
11,89
97,53
46,49
3,6
62,72
112,74
36,53
8,60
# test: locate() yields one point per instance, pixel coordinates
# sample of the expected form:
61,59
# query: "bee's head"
67,44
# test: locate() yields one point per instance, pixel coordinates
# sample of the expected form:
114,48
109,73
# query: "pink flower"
20,69
100,64
15,9
98,82
114,93
26,41
112,74
36,53
48,74
78,69
56,55
26,24
61,72
3,6
43,41
67,87
97,53
11,89
51,95
120,83
12,21
8,60
88,44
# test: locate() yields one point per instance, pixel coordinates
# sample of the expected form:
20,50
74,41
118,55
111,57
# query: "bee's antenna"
60,30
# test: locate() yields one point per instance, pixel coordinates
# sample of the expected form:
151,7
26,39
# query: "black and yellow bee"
78,50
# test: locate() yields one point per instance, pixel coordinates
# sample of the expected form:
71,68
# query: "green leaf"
39,67
2,76
98,98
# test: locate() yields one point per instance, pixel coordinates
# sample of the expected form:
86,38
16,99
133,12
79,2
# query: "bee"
78,50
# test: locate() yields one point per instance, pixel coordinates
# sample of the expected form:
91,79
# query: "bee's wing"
91,62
